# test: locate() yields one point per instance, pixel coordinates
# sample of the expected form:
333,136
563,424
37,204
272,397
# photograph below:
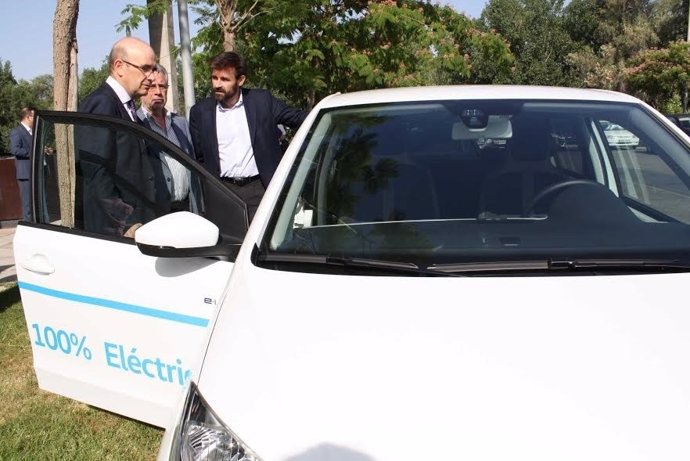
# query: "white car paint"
305,366
122,347
471,368
313,366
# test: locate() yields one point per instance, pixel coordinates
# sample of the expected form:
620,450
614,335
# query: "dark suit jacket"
264,114
122,182
20,146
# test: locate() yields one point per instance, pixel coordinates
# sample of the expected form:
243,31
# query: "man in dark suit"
122,183
235,133
20,147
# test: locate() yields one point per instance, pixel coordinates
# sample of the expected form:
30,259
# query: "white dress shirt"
122,95
28,128
234,142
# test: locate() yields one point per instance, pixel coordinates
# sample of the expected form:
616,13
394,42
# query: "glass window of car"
104,176
415,182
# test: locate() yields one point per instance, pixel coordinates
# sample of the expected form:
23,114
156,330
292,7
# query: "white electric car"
431,275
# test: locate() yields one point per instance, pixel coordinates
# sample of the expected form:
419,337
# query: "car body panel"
539,364
333,356
478,92
110,326
546,365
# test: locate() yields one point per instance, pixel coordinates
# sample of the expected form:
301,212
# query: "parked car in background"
407,290
617,136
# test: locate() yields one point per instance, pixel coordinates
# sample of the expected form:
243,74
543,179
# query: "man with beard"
235,133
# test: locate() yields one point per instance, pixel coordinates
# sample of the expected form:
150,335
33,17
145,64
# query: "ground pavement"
8,274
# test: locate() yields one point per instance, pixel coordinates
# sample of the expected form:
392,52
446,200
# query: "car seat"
527,170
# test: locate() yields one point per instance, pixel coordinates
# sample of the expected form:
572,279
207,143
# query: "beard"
226,97
220,95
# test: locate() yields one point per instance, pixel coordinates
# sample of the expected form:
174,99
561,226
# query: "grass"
38,425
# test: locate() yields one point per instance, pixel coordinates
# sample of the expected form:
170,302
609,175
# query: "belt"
180,205
239,181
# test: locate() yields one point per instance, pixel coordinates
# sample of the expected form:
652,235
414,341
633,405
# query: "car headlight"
201,435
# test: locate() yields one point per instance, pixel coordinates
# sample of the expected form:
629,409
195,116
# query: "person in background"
20,146
123,184
173,127
235,133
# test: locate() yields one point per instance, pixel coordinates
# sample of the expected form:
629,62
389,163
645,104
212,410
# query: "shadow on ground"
9,295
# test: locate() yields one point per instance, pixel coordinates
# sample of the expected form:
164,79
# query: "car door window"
653,178
103,177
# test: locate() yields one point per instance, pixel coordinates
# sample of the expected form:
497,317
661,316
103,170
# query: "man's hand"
130,232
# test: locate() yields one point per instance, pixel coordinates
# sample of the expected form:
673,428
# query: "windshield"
450,182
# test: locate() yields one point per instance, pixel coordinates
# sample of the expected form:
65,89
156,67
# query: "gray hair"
162,70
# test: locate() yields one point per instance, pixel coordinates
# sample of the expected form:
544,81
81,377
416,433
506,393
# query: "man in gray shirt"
173,127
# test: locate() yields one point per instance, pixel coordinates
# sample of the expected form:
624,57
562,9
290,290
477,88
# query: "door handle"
38,263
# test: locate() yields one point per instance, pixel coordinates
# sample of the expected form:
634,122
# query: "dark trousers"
250,193
25,196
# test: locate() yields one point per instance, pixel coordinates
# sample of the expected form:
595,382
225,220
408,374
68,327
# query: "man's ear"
118,67
241,79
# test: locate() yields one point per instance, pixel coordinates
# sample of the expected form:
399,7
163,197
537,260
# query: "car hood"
332,367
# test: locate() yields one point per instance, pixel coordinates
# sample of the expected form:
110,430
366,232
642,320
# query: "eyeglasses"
146,70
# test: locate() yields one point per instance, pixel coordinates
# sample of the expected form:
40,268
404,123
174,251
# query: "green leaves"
660,75
536,32
322,47
15,94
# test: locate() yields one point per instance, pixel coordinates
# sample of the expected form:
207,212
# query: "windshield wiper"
490,266
556,264
375,265
618,263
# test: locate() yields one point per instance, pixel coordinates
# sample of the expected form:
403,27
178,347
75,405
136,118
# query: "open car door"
110,326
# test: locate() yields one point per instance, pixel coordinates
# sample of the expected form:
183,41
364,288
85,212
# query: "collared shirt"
28,128
234,142
122,95
176,174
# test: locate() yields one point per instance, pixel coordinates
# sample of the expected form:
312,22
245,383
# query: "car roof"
473,92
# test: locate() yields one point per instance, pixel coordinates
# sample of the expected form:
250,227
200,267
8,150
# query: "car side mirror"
182,235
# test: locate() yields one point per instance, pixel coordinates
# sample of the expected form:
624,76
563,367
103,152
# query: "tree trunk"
162,40
65,73
227,10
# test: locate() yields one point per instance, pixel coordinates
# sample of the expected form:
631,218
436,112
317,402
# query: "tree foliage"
535,30
319,47
658,75
609,33
304,50
91,78
671,20
15,94
307,49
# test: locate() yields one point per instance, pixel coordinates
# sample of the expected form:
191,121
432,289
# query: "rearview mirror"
497,127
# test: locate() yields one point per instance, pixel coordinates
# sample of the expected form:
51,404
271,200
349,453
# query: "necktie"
131,109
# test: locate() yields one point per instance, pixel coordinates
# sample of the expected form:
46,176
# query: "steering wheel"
554,188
